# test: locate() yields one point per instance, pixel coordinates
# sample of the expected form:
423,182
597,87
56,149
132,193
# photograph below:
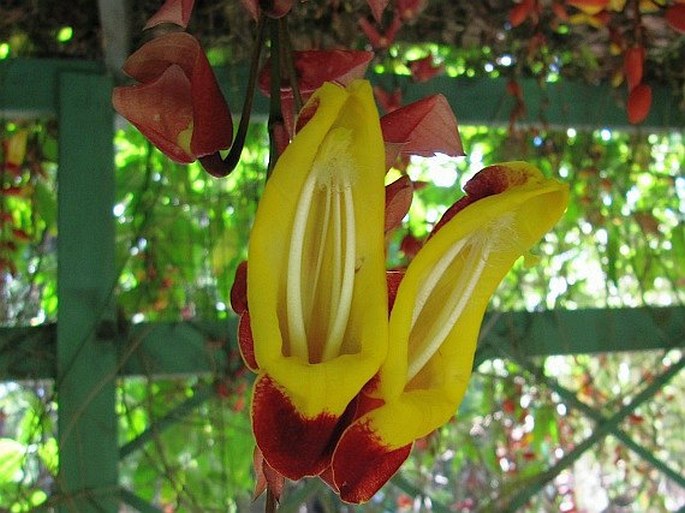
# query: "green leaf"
12,455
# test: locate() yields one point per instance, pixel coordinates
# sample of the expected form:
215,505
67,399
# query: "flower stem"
270,506
289,63
275,123
214,164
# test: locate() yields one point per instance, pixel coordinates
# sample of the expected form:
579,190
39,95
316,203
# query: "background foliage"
180,235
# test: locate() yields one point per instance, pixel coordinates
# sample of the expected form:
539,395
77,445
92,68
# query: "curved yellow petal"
316,276
437,313
441,300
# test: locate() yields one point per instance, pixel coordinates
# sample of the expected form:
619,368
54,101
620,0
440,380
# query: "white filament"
453,308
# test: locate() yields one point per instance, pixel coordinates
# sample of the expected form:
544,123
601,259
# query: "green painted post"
86,353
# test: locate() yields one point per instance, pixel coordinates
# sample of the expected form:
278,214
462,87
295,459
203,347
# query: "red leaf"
377,8
398,198
409,9
381,40
20,234
514,89
388,101
424,69
633,62
639,103
173,11
675,17
589,6
12,190
520,12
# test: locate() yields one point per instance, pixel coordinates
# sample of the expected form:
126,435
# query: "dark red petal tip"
362,464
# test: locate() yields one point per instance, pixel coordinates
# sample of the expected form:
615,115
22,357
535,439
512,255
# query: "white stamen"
296,329
320,254
346,287
453,307
437,272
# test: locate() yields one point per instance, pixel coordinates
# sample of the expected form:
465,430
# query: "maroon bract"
425,127
177,103
173,11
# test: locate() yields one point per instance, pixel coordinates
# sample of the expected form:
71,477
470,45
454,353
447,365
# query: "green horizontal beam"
28,90
176,348
559,332
485,101
201,346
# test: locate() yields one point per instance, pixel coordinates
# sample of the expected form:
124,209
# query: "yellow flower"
316,280
436,317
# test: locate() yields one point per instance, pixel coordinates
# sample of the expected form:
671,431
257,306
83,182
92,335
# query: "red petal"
246,342
314,67
295,446
393,279
239,289
151,60
488,181
362,464
266,477
202,100
398,197
160,110
212,124
173,11
675,17
425,127
560,11
633,62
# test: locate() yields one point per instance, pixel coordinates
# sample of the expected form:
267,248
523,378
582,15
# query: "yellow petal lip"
316,278
440,303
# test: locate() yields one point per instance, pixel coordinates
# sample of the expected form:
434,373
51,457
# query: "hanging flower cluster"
353,362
